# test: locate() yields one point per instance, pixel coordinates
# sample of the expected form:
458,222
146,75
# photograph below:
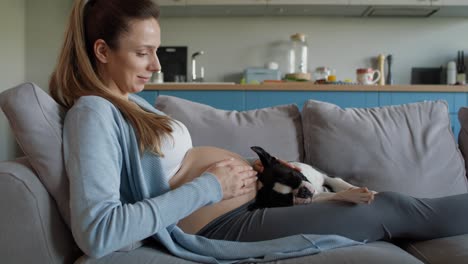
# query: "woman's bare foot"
356,195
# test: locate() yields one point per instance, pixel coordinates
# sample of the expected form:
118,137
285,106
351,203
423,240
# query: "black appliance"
173,60
428,75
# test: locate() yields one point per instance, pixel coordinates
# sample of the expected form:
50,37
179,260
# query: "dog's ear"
266,159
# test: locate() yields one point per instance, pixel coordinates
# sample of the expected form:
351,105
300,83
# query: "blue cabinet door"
226,100
149,95
261,99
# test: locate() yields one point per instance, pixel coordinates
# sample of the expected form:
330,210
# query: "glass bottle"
298,53
321,74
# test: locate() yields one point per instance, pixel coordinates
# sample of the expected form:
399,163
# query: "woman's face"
129,67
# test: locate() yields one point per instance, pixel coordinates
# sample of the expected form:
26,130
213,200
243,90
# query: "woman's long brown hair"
75,74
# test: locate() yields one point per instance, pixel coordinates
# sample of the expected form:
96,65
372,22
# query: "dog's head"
281,184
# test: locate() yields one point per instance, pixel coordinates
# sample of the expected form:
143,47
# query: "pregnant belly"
196,161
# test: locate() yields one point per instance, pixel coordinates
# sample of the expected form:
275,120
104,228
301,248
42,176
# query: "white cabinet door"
308,2
450,2
226,7
451,8
225,2
392,2
314,8
171,2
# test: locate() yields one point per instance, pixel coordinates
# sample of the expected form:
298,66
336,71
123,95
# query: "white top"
174,149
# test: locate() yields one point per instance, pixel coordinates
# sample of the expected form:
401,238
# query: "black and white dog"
281,185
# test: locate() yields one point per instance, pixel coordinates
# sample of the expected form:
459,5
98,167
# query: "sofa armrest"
31,228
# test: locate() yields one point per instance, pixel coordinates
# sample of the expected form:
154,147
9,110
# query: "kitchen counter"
304,86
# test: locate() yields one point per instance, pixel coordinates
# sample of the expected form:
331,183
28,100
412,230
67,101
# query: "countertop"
305,86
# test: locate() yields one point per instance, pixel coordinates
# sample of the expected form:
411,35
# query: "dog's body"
281,185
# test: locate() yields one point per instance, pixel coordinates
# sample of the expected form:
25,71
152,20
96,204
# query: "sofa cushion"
376,252
277,129
407,148
31,228
36,120
453,250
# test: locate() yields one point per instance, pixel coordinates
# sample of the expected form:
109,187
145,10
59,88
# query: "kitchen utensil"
381,63
365,76
389,79
461,75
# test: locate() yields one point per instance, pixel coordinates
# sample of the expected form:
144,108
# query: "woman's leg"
390,215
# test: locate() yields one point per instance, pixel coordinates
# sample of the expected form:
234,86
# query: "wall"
45,26
232,44
32,32
12,62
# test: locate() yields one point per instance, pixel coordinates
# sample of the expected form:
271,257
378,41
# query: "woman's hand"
258,166
356,195
235,177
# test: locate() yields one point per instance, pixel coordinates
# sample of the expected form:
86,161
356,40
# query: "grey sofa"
34,224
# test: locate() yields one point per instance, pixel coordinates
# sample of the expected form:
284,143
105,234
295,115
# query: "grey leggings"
391,215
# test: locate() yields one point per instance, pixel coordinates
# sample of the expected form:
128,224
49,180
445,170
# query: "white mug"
365,76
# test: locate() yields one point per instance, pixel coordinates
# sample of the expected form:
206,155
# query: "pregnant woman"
134,173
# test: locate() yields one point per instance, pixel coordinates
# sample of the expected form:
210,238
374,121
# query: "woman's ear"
101,50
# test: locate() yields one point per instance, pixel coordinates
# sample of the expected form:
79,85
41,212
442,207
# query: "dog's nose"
303,192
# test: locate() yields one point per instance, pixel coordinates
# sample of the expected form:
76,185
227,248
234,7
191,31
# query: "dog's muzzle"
303,194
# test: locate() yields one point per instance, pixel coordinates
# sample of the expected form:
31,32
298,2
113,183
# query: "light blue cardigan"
118,198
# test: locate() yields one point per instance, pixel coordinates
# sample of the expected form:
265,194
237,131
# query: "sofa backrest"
407,148
278,129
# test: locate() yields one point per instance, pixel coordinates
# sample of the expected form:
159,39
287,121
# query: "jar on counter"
321,74
298,58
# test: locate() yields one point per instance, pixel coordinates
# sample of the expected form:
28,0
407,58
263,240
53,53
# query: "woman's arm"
100,223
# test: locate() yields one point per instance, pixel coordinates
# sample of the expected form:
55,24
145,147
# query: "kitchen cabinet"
172,8
313,8
350,8
410,2
225,2
308,2
392,2
451,2
398,8
172,2
451,8
225,7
